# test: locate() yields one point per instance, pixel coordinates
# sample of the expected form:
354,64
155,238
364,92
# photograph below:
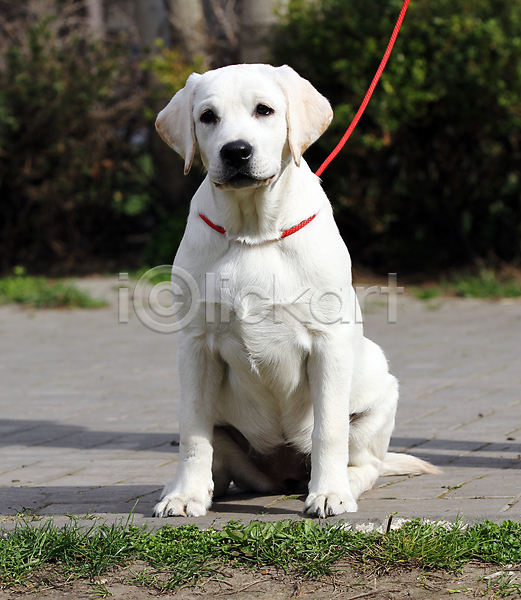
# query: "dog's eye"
208,117
263,110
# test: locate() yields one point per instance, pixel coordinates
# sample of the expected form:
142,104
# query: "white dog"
279,388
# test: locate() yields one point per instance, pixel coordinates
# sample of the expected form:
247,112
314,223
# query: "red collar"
284,234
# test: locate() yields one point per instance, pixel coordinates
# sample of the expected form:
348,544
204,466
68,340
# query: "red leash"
369,93
346,135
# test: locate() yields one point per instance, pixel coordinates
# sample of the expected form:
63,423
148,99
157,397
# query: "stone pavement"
88,415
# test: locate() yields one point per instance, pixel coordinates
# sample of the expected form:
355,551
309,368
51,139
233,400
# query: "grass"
502,584
178,556
427,293
40,292
484,284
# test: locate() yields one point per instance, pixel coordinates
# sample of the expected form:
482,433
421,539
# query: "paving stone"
89,413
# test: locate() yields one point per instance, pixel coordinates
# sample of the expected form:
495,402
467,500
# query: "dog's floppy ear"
309,113
175,123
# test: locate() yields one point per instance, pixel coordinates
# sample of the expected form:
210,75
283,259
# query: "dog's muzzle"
235,157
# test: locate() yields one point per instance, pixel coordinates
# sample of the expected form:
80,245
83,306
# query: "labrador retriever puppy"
280,390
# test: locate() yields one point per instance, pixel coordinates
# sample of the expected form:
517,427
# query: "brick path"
88,414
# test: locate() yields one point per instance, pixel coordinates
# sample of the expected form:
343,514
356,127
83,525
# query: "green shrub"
169,72
162,245
71,180
432,175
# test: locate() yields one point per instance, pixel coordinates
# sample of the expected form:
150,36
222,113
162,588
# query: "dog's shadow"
240,502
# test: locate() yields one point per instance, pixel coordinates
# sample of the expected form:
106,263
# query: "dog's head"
246,120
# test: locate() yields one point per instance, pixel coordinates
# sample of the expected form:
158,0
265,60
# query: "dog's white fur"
267,353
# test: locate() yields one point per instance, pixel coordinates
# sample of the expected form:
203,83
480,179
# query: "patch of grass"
154,275
28,515
502,584
100,591
485,284
432,545
427,293
302,546
40,292
176,556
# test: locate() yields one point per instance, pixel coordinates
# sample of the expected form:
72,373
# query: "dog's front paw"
176,504
180,506
327,505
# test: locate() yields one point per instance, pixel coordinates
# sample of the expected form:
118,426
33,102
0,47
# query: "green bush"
432,175
169,72
71,180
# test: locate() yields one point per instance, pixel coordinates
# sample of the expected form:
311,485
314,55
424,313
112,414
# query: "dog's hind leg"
231,463
369,437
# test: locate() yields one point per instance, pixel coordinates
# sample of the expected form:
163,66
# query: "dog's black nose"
236,154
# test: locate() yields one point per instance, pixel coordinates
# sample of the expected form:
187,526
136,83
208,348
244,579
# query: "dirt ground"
474,581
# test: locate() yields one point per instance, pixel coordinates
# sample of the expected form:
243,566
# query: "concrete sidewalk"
88,415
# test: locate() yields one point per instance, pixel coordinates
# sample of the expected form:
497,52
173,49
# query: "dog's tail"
405,464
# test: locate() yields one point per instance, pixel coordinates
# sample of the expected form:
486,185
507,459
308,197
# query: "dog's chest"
265,392
268,354
252,317
255,309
